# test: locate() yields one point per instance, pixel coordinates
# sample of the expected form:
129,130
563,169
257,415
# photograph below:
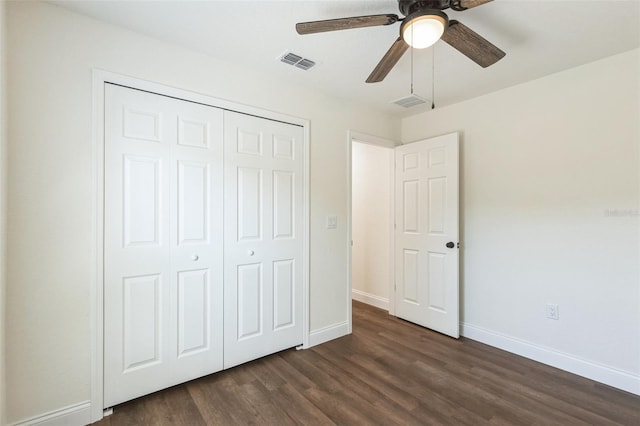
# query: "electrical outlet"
553,311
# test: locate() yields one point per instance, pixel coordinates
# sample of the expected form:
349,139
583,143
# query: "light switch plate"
332,222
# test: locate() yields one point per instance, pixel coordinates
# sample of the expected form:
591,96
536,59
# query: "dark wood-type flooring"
388,372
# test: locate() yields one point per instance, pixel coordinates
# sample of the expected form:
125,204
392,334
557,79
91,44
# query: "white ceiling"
540,37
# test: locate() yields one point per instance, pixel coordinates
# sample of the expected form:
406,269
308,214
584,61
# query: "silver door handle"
251,252
195,257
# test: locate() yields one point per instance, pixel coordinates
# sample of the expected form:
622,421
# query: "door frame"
96,311
354,136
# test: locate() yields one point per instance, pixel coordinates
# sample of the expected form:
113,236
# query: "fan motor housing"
407,7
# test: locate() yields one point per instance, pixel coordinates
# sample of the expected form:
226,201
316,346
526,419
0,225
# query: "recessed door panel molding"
249,142
411,208
283,204
437,157
250,196
163,265
141,200
140,124
192,132
284,290
426,243
437,189
193,202
436,268
194,317
250,300
284,147
411,274
141,321
410,161
263,196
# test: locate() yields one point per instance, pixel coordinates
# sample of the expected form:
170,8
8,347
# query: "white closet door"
163,242
263,247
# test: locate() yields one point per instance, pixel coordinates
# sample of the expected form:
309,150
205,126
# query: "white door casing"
264,237
426,218
163,306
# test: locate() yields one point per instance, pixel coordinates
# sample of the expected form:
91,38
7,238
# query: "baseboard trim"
72,415
370,299
619,379
330,332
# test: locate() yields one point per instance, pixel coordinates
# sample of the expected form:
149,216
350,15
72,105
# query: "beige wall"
51,54
3,203
372,179
550,193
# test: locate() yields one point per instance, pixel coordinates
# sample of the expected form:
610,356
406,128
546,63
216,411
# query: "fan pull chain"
433,76
412,62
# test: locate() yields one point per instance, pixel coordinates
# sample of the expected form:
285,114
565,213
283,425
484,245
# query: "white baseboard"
623,380
330,332
73,415
370,299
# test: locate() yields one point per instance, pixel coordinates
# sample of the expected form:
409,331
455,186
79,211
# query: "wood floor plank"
387,385
207,402
268,377
387,372
357,391
299,408
260,398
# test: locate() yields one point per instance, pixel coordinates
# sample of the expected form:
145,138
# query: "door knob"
250,252
450,244
195,257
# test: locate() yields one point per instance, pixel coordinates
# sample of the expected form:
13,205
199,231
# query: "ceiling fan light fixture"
423,28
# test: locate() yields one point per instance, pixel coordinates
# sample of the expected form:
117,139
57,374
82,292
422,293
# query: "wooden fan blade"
471,44
345,23
468,4
388,61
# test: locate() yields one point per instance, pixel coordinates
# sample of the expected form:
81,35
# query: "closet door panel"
263,243
163,242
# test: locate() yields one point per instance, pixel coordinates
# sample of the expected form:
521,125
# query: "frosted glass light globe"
423,31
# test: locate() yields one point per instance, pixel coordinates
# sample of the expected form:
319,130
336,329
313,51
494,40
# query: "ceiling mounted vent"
297,61
410,101
305,64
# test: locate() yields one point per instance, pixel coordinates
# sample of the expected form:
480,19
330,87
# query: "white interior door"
426,237
263,249
163,243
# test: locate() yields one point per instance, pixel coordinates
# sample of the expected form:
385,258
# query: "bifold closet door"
263,249
163,280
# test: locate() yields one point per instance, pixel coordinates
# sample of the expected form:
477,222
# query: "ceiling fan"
423,24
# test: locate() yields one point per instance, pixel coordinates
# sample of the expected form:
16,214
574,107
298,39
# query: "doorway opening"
372,218
404,229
